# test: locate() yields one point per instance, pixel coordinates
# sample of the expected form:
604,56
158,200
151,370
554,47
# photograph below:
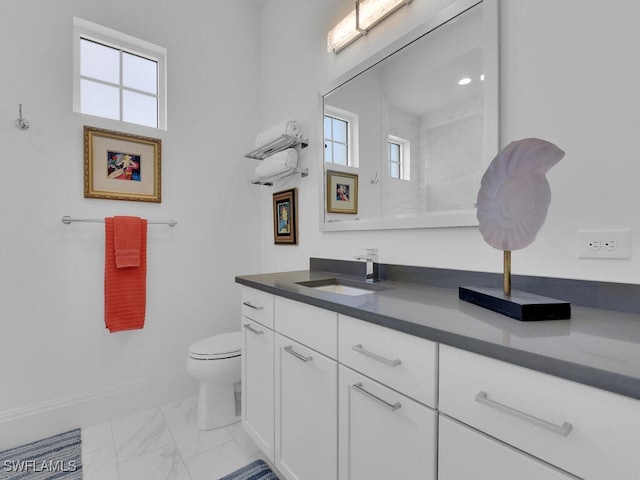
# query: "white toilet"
215,362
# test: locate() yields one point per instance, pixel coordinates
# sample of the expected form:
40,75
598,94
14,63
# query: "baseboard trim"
32,422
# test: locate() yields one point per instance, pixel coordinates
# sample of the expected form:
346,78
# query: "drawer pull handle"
253,330
391,406
392,363
248,304
563,429
290,350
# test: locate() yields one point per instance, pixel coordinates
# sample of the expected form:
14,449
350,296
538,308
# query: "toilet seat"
217,347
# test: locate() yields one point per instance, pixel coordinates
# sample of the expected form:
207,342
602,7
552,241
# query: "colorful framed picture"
285,217
121,166
342,192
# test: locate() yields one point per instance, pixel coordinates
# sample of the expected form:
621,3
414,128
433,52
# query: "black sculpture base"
522,306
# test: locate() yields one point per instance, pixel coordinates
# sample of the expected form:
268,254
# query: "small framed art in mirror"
342,192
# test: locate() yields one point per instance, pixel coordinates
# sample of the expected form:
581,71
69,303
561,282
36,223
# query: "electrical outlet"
604,243
594,245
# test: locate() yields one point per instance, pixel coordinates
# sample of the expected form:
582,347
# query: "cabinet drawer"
485,457
583,430
403,362
312,326
383,434
258,306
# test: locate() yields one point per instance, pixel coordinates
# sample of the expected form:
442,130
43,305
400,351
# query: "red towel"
125,289
127,239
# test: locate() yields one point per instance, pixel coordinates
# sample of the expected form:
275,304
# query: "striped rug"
257,470
58,457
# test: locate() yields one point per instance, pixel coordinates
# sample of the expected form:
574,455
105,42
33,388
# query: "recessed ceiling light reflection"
482,77
464,81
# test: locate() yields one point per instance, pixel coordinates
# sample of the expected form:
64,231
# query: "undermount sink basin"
343,287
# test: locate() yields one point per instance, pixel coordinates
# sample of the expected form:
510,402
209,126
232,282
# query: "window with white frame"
340,137
399,158
118,76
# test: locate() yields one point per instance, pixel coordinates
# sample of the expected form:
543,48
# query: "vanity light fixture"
367,14
464,81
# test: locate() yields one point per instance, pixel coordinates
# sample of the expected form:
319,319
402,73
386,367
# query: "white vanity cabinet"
585,431
328,396
383,433
257,369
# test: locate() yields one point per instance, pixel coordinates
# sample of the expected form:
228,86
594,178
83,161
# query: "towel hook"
21,123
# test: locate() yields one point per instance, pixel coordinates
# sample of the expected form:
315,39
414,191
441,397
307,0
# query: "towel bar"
67,220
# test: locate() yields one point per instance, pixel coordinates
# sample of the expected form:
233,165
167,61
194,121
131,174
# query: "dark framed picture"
285,217
342,192
121,166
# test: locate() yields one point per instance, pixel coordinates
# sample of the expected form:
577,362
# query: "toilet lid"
225,345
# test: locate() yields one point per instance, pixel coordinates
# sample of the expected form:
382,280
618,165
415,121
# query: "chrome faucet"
372,264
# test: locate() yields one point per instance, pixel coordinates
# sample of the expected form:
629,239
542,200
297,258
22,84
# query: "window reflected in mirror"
335,140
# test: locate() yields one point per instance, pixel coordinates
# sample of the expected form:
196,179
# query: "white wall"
55,349
564,73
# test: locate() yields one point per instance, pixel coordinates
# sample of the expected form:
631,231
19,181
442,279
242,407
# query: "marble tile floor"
164,444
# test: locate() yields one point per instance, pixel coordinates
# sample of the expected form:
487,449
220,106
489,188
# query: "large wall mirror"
411,131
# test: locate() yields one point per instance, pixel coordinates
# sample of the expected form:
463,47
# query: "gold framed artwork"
342,192
285,217
121,166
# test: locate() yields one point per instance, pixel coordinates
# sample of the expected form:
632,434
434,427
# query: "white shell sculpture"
514,193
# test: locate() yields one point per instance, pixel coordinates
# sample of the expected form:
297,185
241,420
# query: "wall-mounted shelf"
269,181
277,145
273,147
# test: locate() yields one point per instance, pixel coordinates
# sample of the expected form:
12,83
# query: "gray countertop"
596,347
